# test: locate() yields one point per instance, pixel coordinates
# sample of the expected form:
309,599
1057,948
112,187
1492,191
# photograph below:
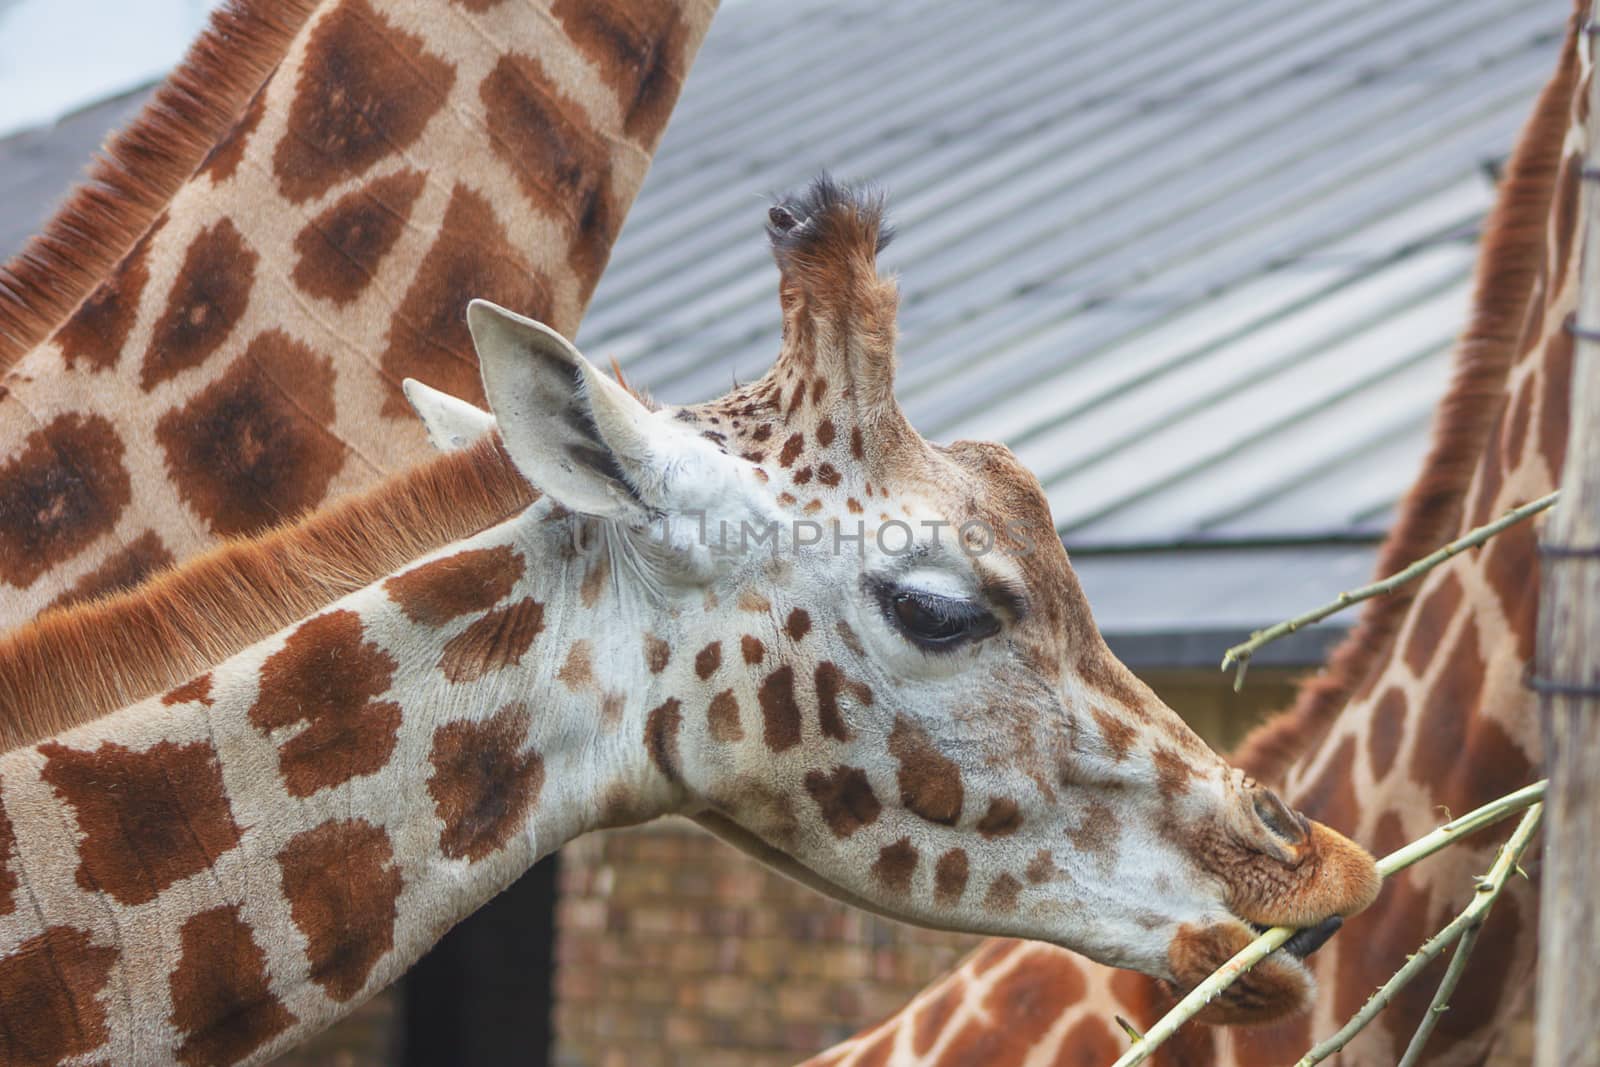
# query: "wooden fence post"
1568,676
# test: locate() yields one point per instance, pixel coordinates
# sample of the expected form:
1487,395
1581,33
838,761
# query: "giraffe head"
869,661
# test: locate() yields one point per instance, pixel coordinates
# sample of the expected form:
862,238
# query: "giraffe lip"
1304,942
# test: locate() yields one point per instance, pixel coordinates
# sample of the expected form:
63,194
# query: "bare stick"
1441,997
1239,655
1470,918
1273,939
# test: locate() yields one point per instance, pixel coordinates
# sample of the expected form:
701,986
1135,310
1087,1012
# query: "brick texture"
674,948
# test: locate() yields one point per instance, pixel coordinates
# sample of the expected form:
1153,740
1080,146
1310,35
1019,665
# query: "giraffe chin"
1278,986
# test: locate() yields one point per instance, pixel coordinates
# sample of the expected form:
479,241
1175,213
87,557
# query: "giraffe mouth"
1307,940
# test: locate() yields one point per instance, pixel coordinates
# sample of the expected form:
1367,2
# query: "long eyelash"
945,607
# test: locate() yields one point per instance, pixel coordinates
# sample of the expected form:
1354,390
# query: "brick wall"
674,948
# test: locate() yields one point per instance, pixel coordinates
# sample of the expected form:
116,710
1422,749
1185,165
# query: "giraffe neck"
294,827
241,363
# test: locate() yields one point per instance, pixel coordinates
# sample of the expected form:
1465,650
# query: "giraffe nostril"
1280,821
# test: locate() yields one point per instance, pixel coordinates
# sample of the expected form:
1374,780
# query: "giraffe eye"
937,622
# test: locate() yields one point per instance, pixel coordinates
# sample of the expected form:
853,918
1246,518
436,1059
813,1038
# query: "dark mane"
824,219
142,167
73,665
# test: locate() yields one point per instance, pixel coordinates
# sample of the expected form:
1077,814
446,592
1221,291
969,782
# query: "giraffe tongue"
1304,942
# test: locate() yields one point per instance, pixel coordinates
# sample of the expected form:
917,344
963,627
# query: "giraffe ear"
452,423
570,430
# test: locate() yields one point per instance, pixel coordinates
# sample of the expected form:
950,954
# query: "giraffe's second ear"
572,432
452,423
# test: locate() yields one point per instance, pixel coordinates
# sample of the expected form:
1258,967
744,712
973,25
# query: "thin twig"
1269,942
1471,822
1441,997
1239,655
1471,917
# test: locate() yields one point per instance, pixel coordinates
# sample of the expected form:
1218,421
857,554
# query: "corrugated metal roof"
1199,265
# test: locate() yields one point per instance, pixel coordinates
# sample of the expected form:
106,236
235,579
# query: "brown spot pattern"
1431,619
1511,567
927,1026
594,581
1002,819
494,642
845,798
546,139
222,1003
791,449
337,254
1172,772
657,653
125,568
798,624
950,878
205,302
342,886
52,1008
722,716
428,338
96,333
1450,710
1088,1043
356,100
1019,1010
198,688
1331,798
577,671
752,650
470,581
63,489
930,782
1117,735
147,818
254,447
707,660
1386,730
1002,895
661,738
830,683
895,865
1555,391
638,49
328,677
484,781
780,713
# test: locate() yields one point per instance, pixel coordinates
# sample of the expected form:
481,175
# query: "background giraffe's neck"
294,827
242,362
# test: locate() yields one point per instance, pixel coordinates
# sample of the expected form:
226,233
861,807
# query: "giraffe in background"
210,338
1421,712
209,872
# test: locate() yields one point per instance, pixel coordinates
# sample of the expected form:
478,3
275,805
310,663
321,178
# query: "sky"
58,55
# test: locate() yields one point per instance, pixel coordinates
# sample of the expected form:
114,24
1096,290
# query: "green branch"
1239,655
1273,939
1470,919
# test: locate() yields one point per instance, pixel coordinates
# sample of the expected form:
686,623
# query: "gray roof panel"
1201,266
